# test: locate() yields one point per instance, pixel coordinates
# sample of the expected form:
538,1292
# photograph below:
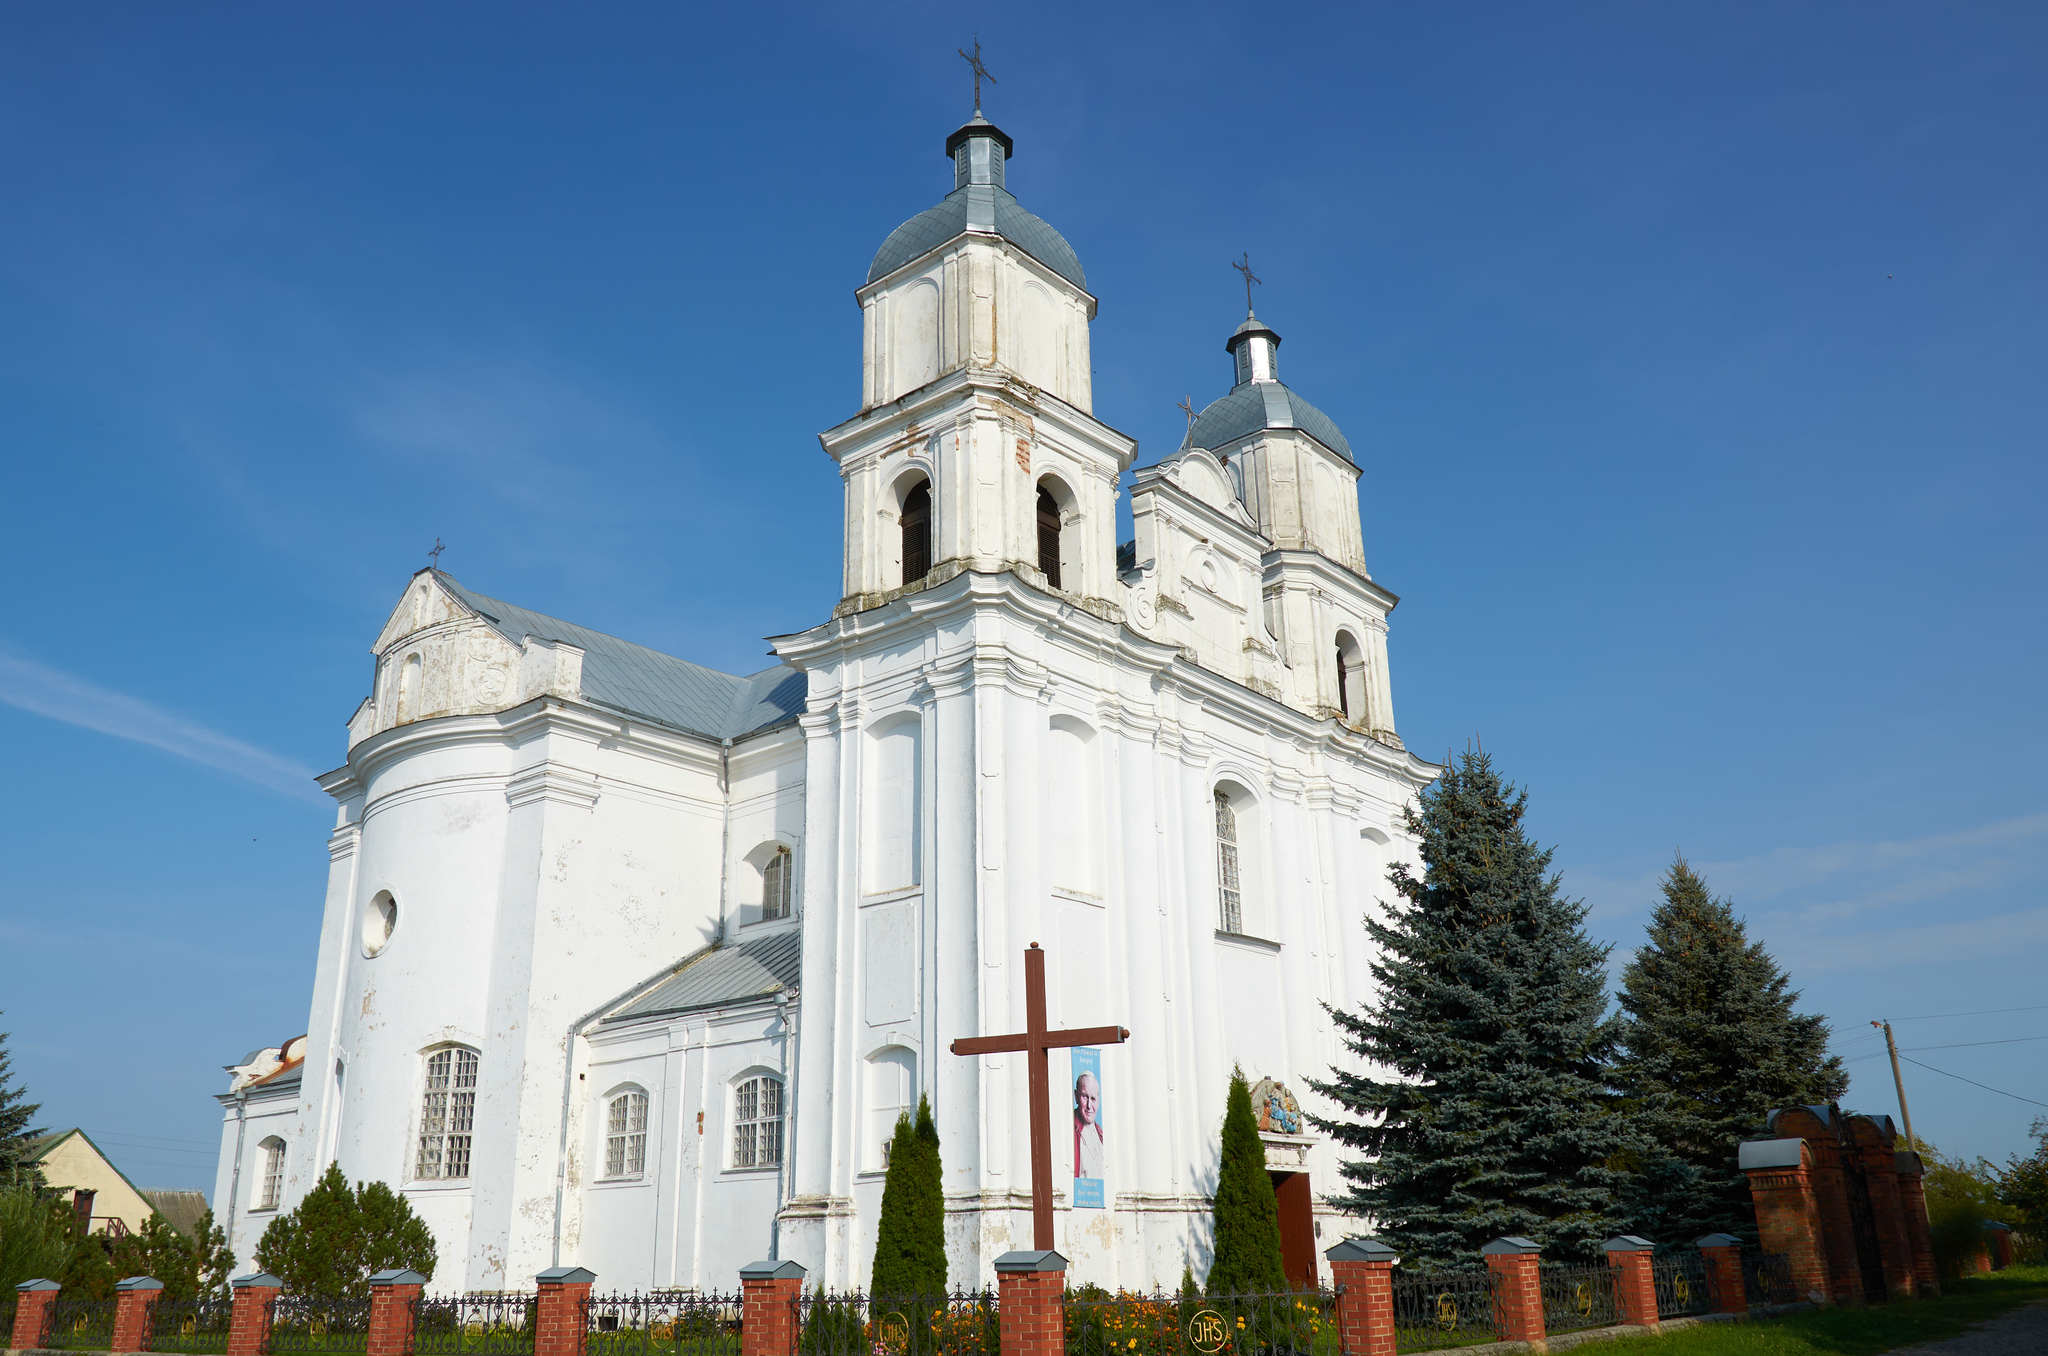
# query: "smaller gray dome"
934,226
1258,405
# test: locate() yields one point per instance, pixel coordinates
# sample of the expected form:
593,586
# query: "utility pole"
1898,1082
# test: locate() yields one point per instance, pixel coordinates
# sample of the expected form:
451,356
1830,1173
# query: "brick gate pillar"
561,1318
1031,1303
1722,1254
1519,1287
1999,1236
1635,1289
1362,1269
1913,1205
249,1325
133,1299
391,1313
33,1301
769,1292
1787,1212
1875,1150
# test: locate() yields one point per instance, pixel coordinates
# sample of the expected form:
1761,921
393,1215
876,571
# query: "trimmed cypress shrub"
1247,1215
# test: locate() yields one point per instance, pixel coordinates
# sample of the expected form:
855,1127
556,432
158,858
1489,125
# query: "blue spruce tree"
1480,1093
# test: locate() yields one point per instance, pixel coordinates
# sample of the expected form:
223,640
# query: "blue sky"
1693,359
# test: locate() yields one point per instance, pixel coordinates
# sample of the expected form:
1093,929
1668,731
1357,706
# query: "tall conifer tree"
1710,1047
1480,1092
17,1132
910,1236
1248,1260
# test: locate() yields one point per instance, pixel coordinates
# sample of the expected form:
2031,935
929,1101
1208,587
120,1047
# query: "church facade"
631,964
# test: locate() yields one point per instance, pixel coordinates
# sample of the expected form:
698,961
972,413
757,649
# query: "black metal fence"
1767,1278
484,1323
1577,1297
1445,1309
198,1326
964,1323
656,1323
1281,1323
80,1325
317,1323
1683,1283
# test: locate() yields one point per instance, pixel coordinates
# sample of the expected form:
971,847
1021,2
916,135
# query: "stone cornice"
992,389
1330,574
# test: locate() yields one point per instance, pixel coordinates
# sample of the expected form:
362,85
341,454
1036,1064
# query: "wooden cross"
1187,407
1034,1040
980,71
1244,266
435,554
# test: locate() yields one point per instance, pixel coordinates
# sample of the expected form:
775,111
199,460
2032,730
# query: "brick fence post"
133,1299
1999,1236
249,1325
1721,1256
769,1292
561,1319
33,1301
1913,1205
1788,1211
1635,1289
1031,1303
391,1313
1362,1269
1518,1288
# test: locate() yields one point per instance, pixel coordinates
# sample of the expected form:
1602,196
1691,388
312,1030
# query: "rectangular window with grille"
1228,888
273,1174
625,1141
757,1124
447,1115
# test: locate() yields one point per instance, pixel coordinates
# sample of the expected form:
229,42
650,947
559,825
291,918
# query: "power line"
1980,1012
1973,1082
1964,1045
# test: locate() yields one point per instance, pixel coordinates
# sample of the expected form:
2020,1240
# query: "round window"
378,921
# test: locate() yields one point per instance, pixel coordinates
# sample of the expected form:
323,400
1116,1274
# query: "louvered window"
625,1135
757,1124
1228,888
917,533
1049,536
775,885
447,1115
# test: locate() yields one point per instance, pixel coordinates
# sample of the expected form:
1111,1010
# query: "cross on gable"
1034,1041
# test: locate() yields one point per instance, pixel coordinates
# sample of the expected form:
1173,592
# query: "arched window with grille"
272,1190
916,522
625,1135
777,876
1049,536
757,1122
1229,873
447,1114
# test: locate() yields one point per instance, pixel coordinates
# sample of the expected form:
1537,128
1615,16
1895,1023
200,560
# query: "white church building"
631,964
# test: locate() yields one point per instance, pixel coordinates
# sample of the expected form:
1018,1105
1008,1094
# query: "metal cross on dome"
1244,266
1034,1040
980,71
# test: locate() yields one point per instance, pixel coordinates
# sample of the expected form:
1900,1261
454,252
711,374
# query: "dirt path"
2023,1332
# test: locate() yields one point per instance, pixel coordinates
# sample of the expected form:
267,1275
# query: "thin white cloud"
1916,945
65,697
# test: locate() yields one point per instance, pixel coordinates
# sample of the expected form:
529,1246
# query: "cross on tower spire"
1244,266
980,71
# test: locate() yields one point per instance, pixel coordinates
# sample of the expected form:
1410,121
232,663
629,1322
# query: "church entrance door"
1297,1228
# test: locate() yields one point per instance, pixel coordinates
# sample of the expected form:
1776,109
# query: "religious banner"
1088,1145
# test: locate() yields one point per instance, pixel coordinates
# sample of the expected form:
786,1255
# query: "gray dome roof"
1257,405
933,227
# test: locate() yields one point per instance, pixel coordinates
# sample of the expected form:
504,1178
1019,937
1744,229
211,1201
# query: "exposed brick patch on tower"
1722,1254
1362,1269
1519,1294
33,1302
560,1311
392,1295
1913,1206
769,1292
133,1299
1788,1216
249,1325
1032,1303
1635,1289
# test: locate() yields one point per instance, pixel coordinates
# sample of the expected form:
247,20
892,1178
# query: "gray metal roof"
182,1210
1255,405
647,683
729,972
987,208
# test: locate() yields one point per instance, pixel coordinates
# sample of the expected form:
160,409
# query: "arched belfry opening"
1048,536
916,523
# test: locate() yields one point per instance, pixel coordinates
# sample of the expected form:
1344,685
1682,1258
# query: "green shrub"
37,1237
336,1237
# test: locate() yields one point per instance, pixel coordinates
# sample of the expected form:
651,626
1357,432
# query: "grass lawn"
1855,1332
